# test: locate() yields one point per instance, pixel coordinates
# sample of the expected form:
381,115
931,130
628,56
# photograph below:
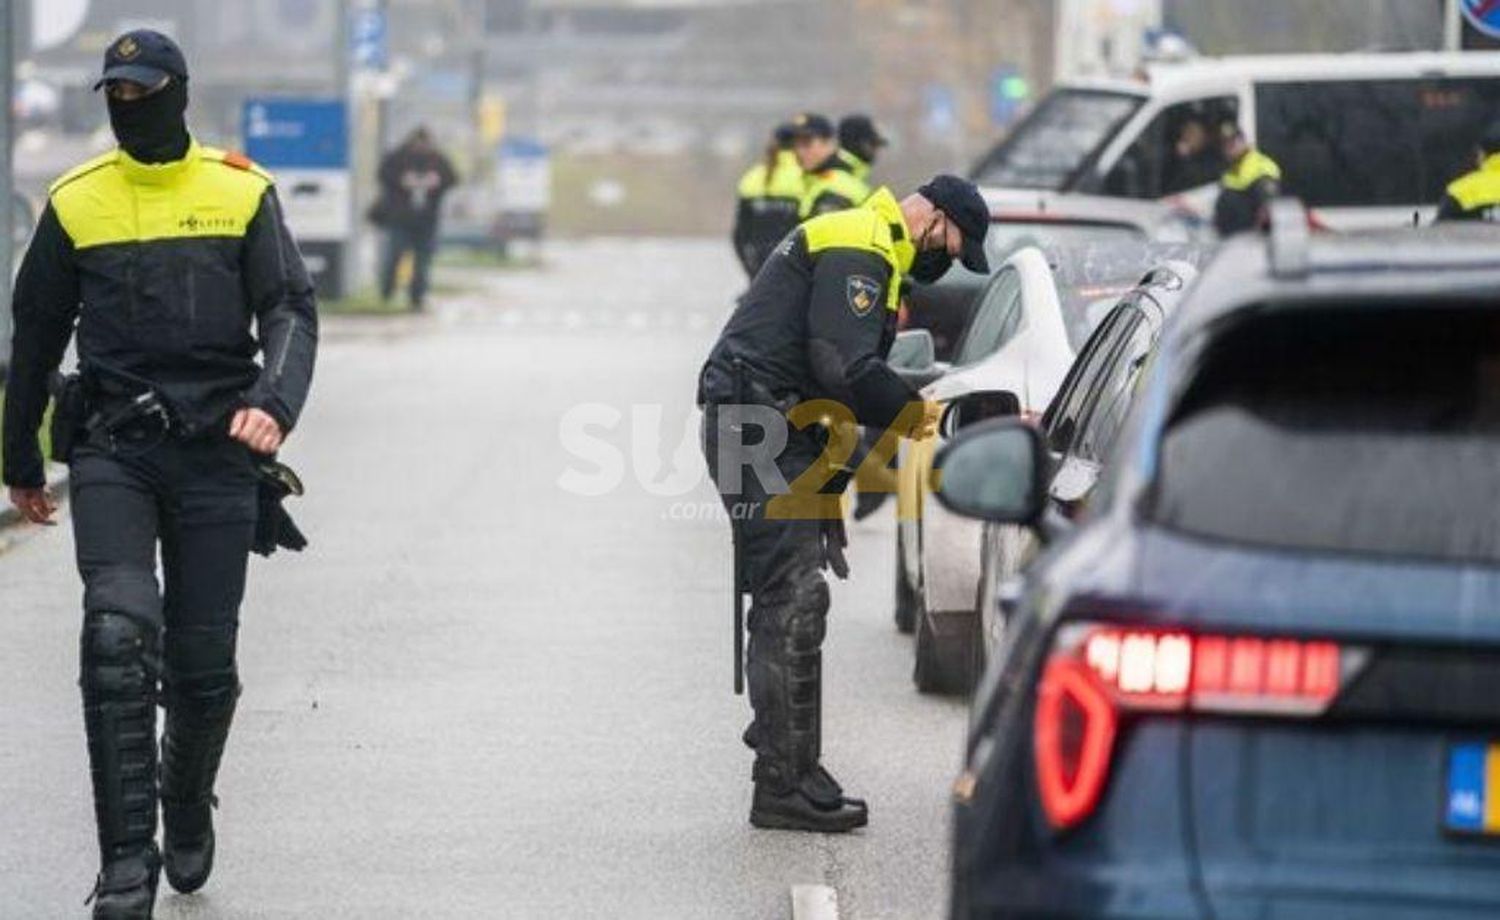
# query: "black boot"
815,804
867,503
126,888
197,727
120,664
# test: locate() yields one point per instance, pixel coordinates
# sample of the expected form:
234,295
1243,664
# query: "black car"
1258,676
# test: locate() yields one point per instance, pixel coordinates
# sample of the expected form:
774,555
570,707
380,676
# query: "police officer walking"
1247,186
1475,196
173,261
835,179
769,194
816,323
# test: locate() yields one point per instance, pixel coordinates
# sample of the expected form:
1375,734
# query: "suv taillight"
1099,674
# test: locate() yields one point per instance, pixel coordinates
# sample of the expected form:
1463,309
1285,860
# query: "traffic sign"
297,133
1483,15
369,39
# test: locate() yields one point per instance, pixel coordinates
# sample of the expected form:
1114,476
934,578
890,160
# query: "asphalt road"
483,692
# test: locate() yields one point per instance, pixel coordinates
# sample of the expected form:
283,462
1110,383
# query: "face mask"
152,129
930,264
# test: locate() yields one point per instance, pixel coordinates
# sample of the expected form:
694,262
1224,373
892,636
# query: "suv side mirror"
994,472
979,406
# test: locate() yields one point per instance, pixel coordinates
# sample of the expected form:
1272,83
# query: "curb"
57,481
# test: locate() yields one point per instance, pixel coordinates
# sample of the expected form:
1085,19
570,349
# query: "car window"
1055,141
1346,429
1113,392
1008,233
1178,151
1065,414
1373,142
996,319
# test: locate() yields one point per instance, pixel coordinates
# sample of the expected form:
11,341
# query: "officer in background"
816,323
1475,196
832,184
173,260
770,192
1247,186
860,143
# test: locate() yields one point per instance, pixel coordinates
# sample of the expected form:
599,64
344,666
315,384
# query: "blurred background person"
1247,187
860,142
770,192
1475,194
413,180
831,182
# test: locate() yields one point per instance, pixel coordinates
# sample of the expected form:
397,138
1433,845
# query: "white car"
1032,316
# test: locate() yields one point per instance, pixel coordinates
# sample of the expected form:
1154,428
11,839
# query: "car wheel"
906,595
945,653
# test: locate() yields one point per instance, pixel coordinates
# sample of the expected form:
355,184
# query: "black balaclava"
929,264
153,129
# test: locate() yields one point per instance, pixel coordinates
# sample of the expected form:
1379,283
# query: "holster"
274,526
69,414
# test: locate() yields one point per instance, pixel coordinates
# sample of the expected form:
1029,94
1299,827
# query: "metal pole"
7,177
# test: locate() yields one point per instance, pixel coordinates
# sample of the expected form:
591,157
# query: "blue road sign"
297,133
369,39
1483,15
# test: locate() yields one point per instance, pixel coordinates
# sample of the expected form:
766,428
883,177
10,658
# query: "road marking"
814,902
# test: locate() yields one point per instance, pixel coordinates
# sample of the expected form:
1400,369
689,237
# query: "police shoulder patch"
863,293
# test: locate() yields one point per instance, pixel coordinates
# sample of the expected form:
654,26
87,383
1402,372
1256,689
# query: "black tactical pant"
788,615
143,641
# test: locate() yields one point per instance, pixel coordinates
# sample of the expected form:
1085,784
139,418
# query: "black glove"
833,538
274,527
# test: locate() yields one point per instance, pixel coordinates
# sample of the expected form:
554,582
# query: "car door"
1008,548
1103,404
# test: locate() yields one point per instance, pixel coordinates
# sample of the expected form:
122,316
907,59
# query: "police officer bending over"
817,322
173,261
1475,196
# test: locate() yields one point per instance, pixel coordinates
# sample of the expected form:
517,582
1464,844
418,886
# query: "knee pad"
808,621
120,656
200,670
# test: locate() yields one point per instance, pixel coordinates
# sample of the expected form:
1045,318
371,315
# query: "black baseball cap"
858,132
142,56
960,202
785,133
811,124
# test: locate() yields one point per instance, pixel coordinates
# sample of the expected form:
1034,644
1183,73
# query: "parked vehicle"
944,309
1079,429
1033,315
1365,139
1256,678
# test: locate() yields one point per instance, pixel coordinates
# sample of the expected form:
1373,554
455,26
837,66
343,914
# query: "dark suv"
1260,677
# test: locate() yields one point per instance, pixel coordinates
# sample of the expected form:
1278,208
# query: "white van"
1364,139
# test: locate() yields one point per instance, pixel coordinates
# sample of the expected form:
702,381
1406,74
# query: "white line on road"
814,902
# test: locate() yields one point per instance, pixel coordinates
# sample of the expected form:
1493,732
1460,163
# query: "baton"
739,555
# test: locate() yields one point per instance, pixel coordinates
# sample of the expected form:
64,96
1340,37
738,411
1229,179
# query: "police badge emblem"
863,294
127,48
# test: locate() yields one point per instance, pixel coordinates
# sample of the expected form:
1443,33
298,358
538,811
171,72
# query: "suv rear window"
1345,429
